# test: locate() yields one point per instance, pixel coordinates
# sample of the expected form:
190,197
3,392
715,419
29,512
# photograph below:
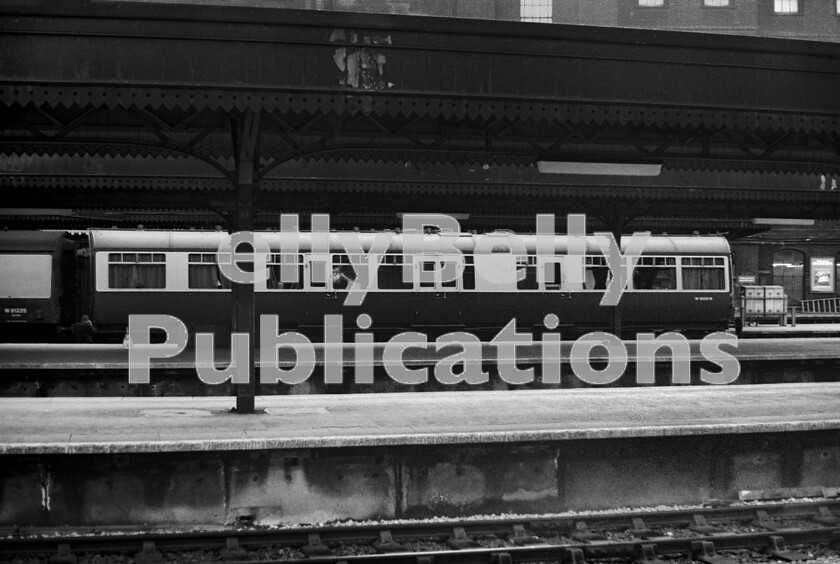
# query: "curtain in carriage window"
703,273
136,270
205,274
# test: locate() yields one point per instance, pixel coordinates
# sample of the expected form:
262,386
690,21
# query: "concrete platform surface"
799,330
115,357
173,424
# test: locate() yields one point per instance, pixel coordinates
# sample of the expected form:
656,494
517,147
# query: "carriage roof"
209,241
33,240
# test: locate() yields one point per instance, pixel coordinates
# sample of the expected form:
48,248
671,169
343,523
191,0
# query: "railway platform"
317,458
33,370
798,331
17,356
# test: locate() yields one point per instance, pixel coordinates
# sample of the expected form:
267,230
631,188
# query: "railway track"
640,535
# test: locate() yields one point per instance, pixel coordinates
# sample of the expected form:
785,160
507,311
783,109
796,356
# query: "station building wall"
813,19
771,258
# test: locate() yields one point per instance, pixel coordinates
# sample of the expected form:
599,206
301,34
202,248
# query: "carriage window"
526,273
597,274
136,270
204,273
25,276
318,274
556,269
275,267
703,273
427,274
390,273
655,273
343,274
468,277
448,270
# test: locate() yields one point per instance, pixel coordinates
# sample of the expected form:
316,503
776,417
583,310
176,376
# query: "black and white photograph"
419,281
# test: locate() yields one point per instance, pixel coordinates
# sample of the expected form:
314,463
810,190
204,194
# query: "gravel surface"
549,533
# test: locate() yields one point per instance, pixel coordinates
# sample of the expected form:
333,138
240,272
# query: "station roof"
128,110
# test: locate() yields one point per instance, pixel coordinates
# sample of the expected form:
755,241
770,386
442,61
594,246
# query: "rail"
620,534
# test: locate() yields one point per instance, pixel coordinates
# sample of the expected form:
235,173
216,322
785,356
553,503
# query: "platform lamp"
599,168
782,221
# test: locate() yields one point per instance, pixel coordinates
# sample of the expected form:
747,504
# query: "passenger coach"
680,283
37,281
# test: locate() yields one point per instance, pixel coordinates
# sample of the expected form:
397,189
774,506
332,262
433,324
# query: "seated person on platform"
83,330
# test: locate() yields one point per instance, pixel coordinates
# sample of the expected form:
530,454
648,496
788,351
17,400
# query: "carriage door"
789,272
317,273
438,273
551,275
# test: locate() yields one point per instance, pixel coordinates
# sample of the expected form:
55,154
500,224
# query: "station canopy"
118,114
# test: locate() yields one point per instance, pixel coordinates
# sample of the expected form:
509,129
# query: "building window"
652,3
716,3
786,6
535,11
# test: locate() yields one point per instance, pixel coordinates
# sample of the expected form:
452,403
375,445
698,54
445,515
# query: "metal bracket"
778,549
521,537
825,516
501,558
459,539
830,492
63,555
763,520
574,556
704,551
315,546
641,530
647,555
386,543
583,534
149,554
232,550
701,525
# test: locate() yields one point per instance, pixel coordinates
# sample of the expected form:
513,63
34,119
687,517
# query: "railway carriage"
37,281
680,283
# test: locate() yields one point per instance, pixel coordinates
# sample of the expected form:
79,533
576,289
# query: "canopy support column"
617,227
246,135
